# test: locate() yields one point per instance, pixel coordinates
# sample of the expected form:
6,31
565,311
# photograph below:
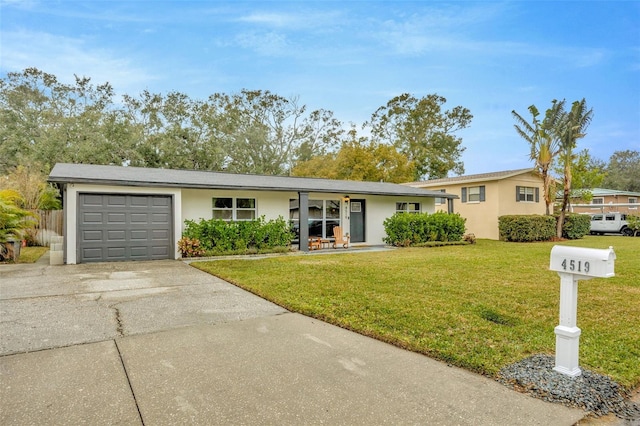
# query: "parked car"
610,223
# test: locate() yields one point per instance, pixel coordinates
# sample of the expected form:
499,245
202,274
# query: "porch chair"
338,238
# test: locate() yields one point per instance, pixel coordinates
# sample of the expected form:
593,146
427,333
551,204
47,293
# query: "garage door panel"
93,200
139,201
116,200
116,227
92,217
116,235
139,218
92,235
92,254
139,234
116,218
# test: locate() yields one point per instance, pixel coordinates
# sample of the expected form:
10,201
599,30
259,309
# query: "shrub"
576,226
634,223
190,247
220,237
526,228
408,229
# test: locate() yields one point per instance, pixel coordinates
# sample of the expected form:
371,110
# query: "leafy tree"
422,131
544,142
623,171
587,173
361,160
573,128
32,187
45,121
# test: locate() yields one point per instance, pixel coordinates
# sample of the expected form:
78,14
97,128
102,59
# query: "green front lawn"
480,307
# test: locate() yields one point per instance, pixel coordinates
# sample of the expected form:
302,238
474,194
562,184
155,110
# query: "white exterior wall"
195,204
379,208
71,211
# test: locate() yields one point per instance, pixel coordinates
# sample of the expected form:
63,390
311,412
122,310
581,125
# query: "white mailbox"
587,262
573,264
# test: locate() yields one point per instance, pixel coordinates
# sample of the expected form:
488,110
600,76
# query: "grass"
31,254
480,307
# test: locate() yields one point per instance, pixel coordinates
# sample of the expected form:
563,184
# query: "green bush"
576,226
526,228
219,237
634,223
409,229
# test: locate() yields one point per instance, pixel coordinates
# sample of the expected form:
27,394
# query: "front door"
356,227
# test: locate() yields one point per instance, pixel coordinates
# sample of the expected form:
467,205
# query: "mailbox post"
573,264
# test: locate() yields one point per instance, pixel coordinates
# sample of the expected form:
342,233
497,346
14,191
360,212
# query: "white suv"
610,223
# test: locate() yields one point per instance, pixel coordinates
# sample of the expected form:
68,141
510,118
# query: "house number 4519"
575,265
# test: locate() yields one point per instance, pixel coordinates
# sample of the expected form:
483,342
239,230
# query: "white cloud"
66,56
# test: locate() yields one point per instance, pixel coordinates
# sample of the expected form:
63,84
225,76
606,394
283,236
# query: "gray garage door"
116,227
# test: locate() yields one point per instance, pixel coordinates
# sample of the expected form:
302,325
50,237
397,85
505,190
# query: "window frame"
523,193
465,194
593,201
403,207
234,209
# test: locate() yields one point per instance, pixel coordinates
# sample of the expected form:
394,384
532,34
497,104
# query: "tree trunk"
565,198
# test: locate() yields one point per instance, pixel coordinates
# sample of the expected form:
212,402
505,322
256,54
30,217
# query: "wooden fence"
50,224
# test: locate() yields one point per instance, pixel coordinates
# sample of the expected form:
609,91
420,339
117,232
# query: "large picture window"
237,209
323,215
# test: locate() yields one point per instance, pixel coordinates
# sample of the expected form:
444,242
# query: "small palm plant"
13,222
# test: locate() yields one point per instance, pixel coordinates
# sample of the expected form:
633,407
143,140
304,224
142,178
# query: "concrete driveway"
161,343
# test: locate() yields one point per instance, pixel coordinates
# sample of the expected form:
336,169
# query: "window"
597,217
234,208
323,216
527,194
441,200
598,200
633,200
473,194
407,207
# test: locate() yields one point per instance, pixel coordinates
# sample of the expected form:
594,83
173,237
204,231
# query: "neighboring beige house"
487,196
609,201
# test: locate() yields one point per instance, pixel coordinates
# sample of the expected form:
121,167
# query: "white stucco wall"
196,204
71,211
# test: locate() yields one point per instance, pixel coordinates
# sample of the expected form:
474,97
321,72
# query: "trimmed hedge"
410,229
221,237
526,228
575,226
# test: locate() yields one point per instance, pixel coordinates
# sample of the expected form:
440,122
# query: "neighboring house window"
633,200
234,208
598,200
527,194
441,200
473,194
407,207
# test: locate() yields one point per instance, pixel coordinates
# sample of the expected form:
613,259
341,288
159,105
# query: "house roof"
138,176
601,192
470,178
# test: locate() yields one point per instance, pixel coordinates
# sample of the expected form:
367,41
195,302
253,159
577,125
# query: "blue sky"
351,57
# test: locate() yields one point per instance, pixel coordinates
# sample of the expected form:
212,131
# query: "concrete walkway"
160,343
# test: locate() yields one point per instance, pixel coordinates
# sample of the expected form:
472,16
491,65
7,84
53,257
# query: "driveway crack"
119,322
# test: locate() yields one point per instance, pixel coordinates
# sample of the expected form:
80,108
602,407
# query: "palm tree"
544,141
571,129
